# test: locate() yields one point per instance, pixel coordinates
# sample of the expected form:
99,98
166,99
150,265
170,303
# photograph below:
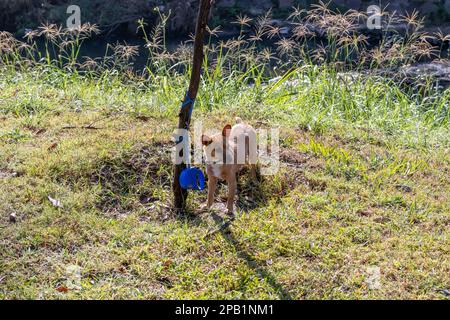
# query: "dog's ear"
206,140
226,130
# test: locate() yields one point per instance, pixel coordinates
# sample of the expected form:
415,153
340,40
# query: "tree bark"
184,117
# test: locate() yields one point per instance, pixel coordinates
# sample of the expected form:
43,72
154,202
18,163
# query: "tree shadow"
223,228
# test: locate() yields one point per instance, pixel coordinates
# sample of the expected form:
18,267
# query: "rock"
278,23
285,4
349,4
183,16
401,6
7,174
403,187
13,218
55,202
354,4
372,278
446,292
340,3
440,70
437,69
256,11
429,8
226,3
254,7
285,31
447,6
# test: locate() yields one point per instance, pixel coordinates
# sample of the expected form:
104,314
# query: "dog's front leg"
212,184
232,185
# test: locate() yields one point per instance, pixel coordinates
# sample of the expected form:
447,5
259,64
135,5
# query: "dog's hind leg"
232,184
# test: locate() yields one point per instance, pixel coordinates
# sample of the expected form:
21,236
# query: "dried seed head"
31,34
89,64
285,46
439,35
273,31
242,20
214,32
296,14
50,31
301,31
125,51
266,55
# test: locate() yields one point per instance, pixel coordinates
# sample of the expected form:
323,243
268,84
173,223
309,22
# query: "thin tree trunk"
184,121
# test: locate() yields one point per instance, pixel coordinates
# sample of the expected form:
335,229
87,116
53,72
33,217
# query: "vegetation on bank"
85,168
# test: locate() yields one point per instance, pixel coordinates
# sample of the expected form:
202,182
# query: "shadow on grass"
223,228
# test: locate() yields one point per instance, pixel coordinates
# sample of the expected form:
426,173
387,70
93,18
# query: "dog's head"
213,146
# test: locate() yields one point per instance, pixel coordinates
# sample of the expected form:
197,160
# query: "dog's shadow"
251,195
261,272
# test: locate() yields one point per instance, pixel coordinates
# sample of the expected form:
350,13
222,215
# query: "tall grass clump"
321,73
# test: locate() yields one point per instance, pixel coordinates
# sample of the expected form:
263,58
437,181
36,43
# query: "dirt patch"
294,165
298,163
293,158
133,177
137,178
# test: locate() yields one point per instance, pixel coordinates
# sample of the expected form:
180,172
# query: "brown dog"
226,153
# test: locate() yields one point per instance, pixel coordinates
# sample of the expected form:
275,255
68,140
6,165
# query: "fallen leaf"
56,203
381,219
52,146
168,263
143,118
62,289
365,212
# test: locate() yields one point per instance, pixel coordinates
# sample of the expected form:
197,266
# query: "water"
97,48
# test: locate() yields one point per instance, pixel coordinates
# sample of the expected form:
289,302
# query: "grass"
363,183
346,198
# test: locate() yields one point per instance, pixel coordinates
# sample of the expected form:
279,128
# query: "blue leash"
186,101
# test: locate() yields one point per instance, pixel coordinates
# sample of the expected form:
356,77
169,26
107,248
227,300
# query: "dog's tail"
238,120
